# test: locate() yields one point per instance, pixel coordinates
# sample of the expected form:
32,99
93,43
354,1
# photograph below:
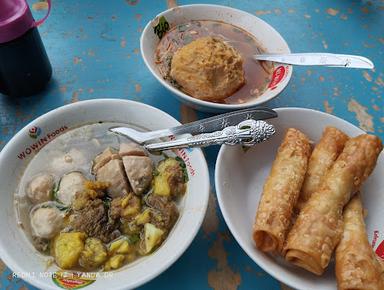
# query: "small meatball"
131,149
93,255
170,178
70,184
113,172
139,170
125,207
103,158
40,188
208,69
67,248
46,222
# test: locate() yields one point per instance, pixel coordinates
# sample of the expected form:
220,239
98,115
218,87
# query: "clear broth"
72,151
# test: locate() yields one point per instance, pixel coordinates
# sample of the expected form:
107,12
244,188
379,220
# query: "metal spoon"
319,59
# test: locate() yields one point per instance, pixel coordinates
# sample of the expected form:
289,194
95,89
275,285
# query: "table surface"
93,46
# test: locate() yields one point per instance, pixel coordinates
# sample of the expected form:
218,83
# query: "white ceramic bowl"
240,177
19,254
271,40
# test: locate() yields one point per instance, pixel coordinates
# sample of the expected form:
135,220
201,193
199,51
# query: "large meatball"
39,188
208,69
46,222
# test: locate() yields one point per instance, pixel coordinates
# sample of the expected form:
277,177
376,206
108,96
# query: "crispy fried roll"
281,191
319,225
323,156
357,266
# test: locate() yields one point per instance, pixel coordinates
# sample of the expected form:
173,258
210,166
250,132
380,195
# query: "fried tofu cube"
67,248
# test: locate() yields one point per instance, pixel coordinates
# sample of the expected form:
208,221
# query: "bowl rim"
11,263
195,101
226,216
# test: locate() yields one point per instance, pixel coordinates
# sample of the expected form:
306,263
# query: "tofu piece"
139,170
113,172
131,149
103,158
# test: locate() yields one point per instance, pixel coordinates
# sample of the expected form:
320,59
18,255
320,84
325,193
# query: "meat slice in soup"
113,172
138,166
131,149
139,170
93,220
166,211
70,184
103,158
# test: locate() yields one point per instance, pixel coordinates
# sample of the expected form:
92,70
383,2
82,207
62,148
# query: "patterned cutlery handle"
247,133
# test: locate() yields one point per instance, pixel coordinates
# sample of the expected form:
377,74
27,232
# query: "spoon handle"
247,133
207,125
319,59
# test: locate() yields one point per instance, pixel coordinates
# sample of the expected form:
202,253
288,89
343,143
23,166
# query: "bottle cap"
16,19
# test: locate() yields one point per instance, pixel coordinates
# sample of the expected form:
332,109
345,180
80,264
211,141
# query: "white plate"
19,254
271,40
240,177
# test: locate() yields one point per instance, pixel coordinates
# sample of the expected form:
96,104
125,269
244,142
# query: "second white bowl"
271,40
240,176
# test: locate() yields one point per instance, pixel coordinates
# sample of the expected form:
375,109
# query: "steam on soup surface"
93,201
257,74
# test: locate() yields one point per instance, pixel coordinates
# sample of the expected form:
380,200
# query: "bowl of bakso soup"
203,55
82,206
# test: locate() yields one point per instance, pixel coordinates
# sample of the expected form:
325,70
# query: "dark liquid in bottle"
24,65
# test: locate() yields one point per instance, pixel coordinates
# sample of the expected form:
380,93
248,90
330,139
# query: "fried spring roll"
319,225
357,266
281,191
323,156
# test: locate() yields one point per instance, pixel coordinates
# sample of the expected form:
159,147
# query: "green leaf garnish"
107,201
162,27
184,168
133,239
